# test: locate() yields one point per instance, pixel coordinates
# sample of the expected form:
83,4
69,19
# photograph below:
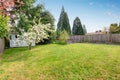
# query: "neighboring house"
94,33
14,41
21,43
13,38
97,32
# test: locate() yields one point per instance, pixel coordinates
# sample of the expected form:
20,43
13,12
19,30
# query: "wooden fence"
102,38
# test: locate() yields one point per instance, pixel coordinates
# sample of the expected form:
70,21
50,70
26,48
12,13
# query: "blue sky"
95,14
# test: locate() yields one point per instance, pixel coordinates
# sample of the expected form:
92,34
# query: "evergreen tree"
63,23
77,27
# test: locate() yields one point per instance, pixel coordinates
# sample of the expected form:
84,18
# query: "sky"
95,14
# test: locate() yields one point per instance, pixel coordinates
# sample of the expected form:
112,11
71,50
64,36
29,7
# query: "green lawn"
62,62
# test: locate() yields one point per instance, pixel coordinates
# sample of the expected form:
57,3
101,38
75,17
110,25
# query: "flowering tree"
38,32
5,5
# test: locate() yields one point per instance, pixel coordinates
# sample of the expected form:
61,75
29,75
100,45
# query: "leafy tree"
24,23
114,28
27,13
47,17
63,23
23,6
23,12
77,27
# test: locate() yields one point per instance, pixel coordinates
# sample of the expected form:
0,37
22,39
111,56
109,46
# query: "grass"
62,62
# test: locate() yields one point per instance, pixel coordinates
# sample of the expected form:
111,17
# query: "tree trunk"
30,46
2,45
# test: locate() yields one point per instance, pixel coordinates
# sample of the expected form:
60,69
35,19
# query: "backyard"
61,62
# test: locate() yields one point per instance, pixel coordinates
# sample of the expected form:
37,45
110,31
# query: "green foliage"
46,17
24,23
20,15
77,27
37,13
58,62
114,28
4,28
63,37
34,13
63,23
22,6
27,12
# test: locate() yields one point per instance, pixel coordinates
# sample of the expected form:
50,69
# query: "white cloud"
91,3
113,15
113,6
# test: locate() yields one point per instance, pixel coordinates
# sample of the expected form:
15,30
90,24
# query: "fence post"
110,38
2,45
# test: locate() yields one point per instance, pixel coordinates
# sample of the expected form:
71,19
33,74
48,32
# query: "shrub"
63,37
